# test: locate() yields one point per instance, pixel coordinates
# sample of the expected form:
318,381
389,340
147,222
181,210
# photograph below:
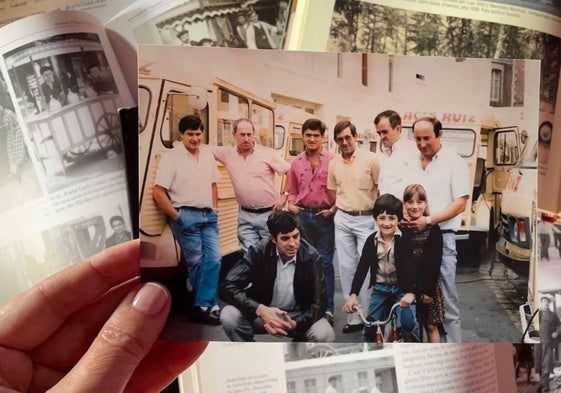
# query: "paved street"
489,296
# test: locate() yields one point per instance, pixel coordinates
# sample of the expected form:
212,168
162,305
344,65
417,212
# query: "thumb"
122,343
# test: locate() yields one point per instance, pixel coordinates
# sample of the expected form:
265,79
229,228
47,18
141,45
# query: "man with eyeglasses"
311,201
353,182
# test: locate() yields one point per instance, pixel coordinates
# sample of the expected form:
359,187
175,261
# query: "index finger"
33,316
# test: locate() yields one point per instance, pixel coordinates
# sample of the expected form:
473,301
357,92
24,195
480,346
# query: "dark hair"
113,219
416,189
436,124
314,124
341,125
389,204
190,122
243,119
44,69
545,298
332,378
392,116
281,222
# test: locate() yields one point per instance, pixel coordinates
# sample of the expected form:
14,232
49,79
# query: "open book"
64,75
63,186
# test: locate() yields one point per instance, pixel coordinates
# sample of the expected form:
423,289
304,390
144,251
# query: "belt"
199,209
313,209
447,231
358,212
257,211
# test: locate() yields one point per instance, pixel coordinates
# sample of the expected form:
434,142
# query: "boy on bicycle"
387,255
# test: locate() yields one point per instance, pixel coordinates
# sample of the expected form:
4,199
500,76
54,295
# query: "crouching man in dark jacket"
277,288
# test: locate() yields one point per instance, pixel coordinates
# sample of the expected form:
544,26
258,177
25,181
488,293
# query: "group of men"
285,283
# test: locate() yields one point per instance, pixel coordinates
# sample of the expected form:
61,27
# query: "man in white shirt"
444,175
185,190
397,152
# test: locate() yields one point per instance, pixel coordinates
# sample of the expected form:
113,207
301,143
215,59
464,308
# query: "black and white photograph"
348,368
254,24
16,169
547,359
68,99
270,96
364,26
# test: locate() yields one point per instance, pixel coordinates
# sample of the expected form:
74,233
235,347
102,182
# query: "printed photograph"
527,378
234,132
255,24
68,99
346,368
547,360
18,181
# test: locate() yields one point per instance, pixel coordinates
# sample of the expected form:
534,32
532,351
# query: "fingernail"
150,299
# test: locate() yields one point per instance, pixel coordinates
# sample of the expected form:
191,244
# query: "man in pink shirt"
310,199
252,169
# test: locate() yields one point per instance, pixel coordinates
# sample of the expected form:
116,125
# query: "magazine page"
63,184
304,367
278,91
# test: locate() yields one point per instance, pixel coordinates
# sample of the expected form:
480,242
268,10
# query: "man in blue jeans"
185,189
309,198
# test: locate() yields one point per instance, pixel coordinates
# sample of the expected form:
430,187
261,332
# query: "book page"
11,10
181,22
312,26
63,184
300,367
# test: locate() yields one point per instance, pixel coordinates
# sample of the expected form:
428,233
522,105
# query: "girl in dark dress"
427,249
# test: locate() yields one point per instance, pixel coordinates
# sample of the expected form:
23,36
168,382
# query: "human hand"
351,304
325,213
280,203
276,321
293,208
407,300
91,328
426,299
416,225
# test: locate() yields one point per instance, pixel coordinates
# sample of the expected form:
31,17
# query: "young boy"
388,254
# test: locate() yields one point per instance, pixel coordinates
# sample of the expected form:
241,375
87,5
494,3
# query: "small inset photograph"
255,24
547,360
334,368
68,98
119,231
